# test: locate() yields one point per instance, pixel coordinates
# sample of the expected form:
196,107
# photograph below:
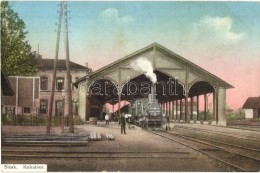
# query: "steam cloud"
144,65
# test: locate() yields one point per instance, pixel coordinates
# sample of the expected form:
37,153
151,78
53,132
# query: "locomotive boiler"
147,111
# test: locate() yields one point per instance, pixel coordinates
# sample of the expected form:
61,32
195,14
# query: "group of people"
122,122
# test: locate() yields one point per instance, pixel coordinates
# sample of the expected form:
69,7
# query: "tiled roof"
252,103
48,64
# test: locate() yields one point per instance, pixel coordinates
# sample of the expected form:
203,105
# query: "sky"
221,37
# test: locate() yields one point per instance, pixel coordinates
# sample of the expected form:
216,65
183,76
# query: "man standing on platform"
107,119
123,123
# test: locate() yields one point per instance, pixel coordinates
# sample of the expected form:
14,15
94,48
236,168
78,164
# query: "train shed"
179,87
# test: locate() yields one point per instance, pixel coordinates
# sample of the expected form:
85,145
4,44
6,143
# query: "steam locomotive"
147,111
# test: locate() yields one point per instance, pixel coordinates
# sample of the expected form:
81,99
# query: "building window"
26,110
43,106
10,110
60,84
44,83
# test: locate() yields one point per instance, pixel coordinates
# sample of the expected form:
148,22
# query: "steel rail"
244,127
222,133
97,152
202,142
93,154
203,152
223,143
96,157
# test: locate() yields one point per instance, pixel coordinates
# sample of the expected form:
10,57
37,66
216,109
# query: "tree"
16,53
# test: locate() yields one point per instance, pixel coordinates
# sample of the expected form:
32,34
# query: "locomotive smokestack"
152,95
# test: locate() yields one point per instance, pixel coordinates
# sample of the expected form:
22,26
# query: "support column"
181,105
173,109
170,111
167,109
205,107
214,106
83,103
87,111
119,107
191,108
187,118
198,107
177,117
221,106
163,109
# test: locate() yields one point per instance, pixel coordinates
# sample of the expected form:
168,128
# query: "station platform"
137,150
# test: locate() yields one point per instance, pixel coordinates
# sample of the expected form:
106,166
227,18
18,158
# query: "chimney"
89,70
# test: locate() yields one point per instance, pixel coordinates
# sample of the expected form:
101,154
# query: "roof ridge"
49,63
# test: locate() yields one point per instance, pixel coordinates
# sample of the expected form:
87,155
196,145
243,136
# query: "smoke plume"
144,65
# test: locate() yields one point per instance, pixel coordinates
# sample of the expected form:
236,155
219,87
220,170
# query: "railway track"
244,137
22,154
217,151
247,151
244,127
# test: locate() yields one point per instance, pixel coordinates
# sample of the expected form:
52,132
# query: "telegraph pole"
55,69
65,11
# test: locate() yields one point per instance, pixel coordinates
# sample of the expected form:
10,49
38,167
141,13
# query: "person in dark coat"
123,123
107,119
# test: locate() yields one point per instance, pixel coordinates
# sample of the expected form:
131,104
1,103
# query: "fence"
36,120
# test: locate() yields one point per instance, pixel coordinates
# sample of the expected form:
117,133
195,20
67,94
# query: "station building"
32,94
180,84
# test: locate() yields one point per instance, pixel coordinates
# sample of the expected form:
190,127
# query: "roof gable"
174,61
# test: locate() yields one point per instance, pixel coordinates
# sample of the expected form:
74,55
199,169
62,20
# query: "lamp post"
63,94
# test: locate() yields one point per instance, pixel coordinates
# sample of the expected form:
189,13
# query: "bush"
235,116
